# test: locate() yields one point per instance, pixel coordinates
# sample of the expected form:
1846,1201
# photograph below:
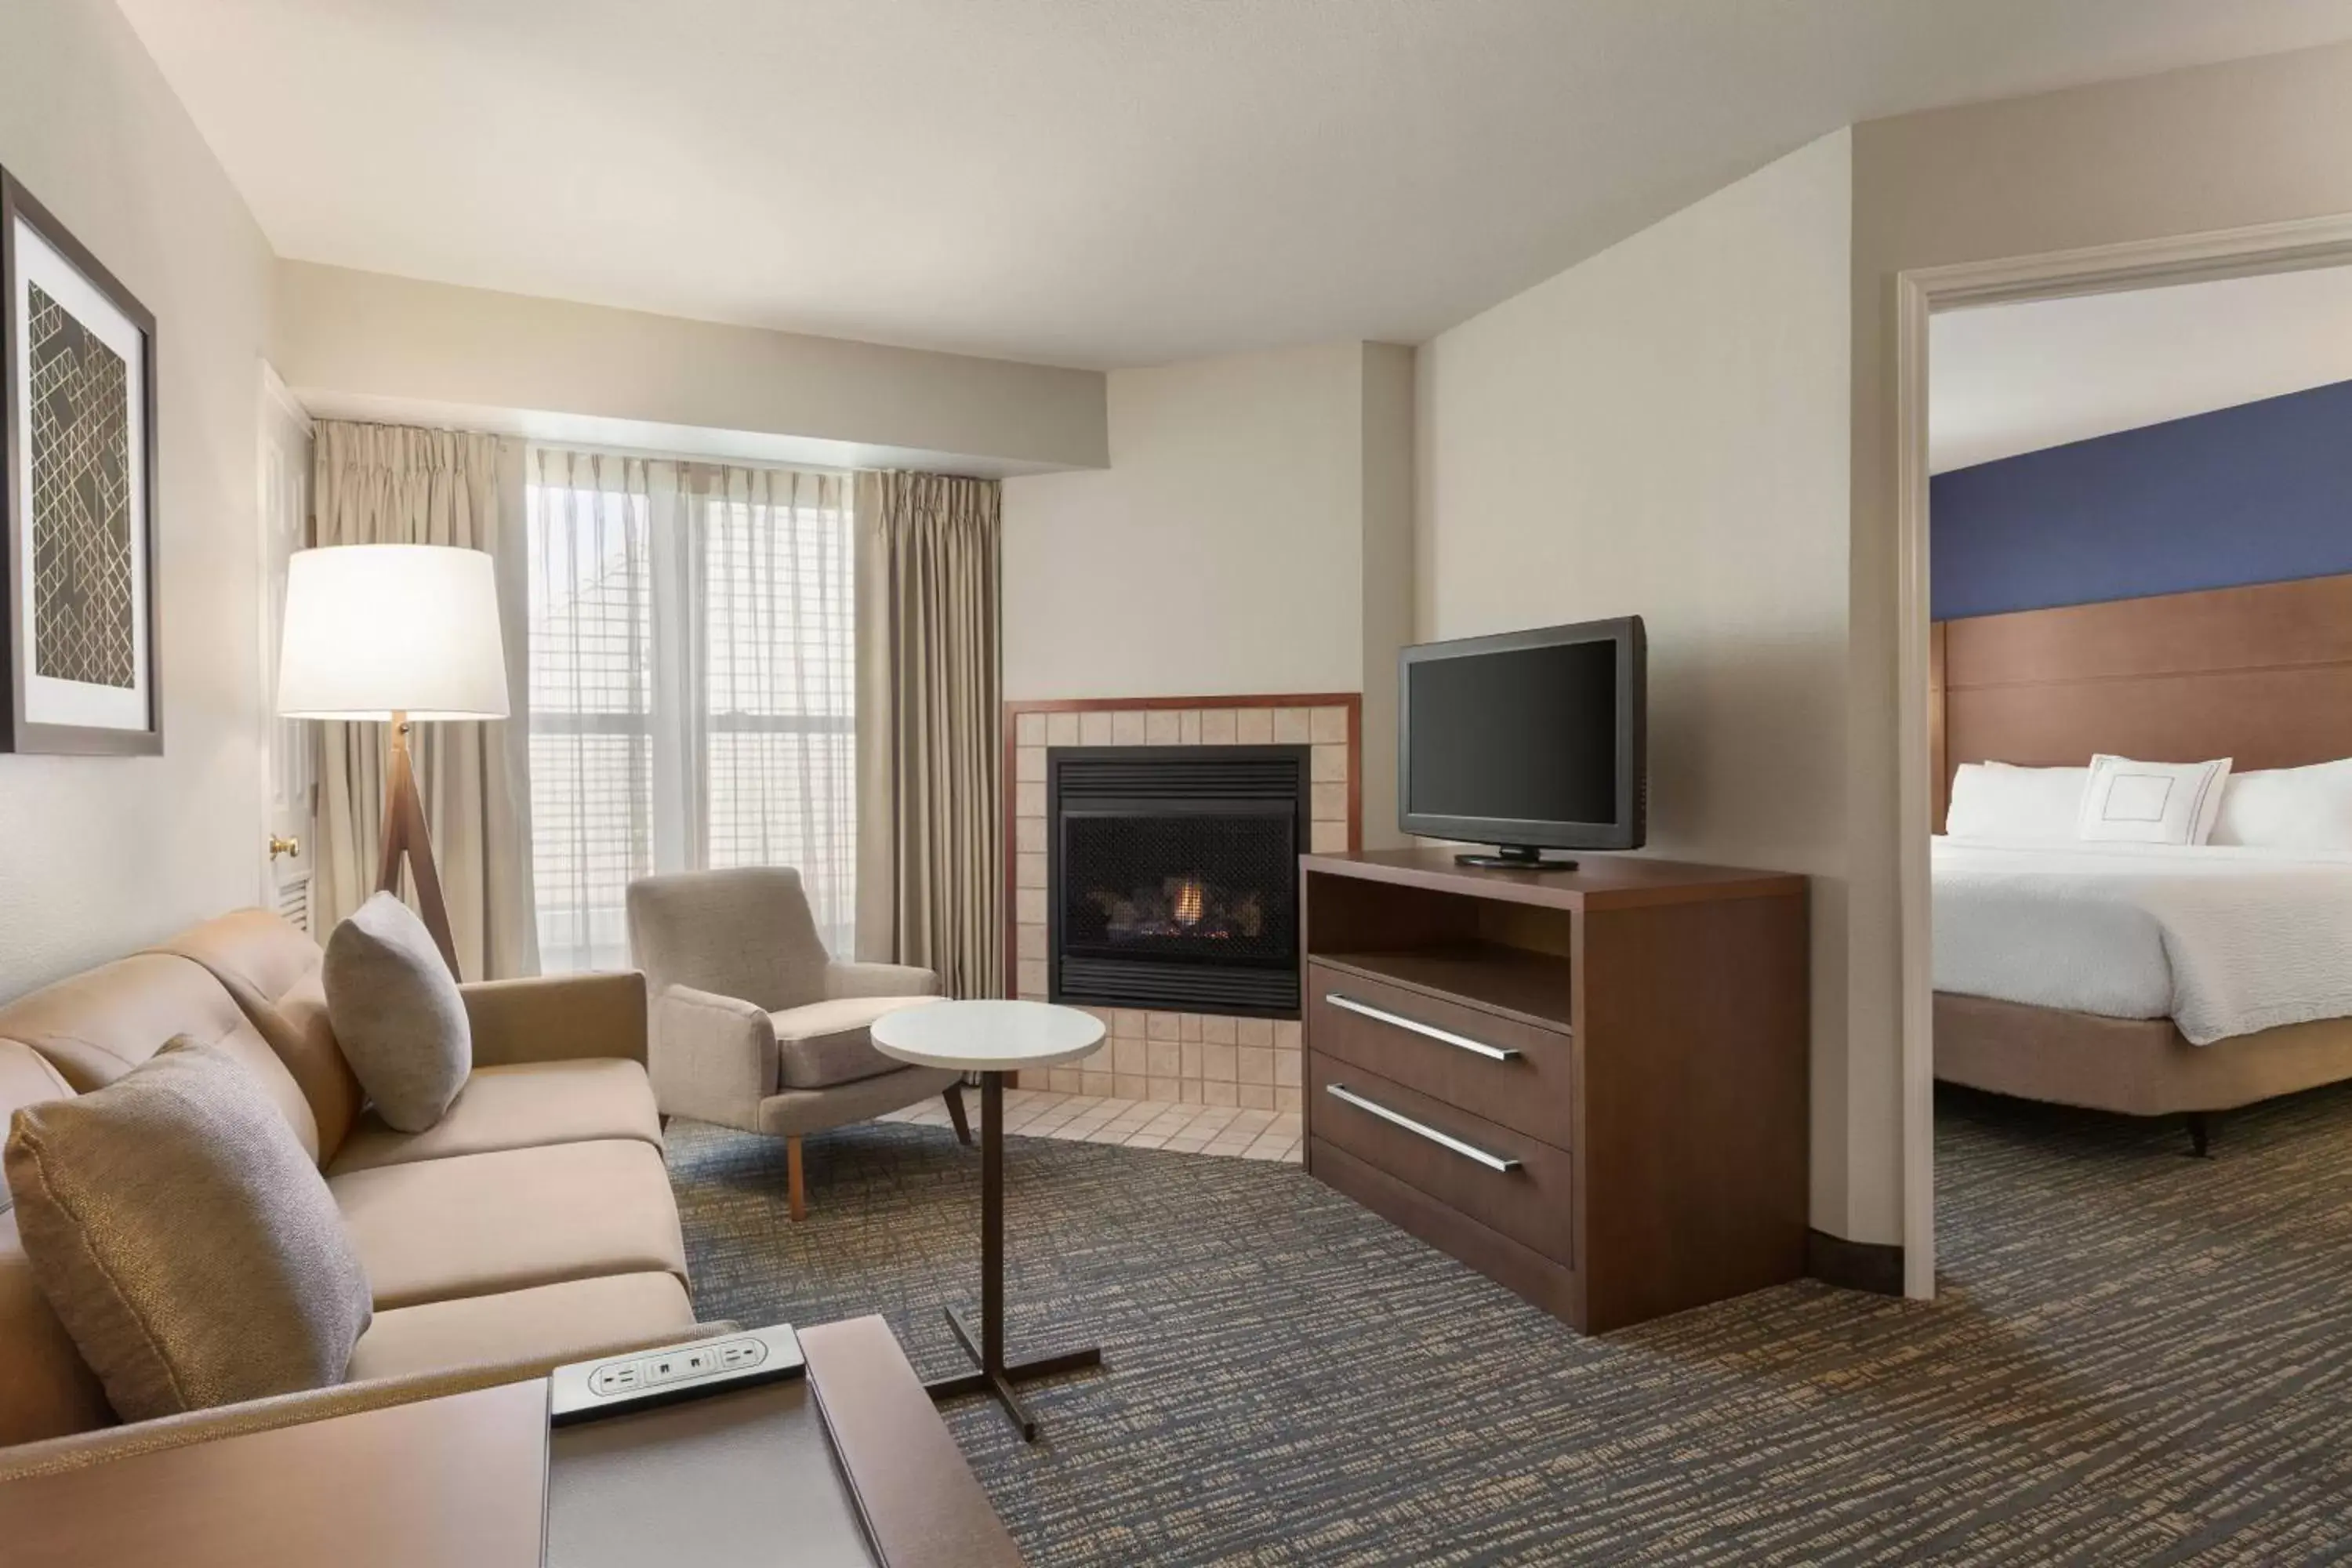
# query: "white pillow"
1994,800
2152,802
2289,808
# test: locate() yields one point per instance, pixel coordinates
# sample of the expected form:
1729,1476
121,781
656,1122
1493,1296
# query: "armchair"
753,1026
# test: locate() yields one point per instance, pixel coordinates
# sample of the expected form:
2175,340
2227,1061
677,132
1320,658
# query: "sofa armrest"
713,1057
52,1454
557,1017
878,980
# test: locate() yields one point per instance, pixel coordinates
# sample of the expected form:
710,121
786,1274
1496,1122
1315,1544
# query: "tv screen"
1531,738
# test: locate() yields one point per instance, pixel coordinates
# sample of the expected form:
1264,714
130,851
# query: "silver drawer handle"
1467,1150
1447,1037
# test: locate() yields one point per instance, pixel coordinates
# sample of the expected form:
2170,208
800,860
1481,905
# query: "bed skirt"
2136,1066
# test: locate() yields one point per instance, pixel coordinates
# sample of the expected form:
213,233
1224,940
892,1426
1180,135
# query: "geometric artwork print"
83,613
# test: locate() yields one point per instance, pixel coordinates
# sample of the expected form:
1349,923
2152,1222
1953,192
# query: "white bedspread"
2223,941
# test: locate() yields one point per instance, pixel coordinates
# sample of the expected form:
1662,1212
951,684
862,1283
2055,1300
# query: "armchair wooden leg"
797,1192
954,1097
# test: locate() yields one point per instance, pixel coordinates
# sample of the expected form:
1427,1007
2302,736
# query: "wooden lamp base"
405,835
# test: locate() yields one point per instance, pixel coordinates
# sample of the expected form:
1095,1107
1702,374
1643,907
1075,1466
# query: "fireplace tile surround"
1200,1058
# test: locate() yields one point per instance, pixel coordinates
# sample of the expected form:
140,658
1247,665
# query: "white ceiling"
2007,379
1081,182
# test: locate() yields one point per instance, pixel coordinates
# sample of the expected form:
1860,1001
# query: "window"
693,665
591,707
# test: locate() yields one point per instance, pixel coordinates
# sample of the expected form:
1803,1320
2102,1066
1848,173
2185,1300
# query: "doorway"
1921,295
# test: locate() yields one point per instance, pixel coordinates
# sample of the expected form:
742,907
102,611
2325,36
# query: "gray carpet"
2136,1358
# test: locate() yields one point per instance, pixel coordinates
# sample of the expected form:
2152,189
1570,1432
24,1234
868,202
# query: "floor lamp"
398,634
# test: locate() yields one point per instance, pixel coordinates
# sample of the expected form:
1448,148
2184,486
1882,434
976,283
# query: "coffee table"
477,1479
992,1038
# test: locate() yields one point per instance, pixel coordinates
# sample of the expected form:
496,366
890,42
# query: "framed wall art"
78,389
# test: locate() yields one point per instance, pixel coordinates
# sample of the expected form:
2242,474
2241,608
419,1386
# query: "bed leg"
2200,1135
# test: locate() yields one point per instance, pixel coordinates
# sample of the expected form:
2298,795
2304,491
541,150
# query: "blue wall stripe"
2258,493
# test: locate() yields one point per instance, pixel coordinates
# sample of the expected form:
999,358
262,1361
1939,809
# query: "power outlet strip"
587,1390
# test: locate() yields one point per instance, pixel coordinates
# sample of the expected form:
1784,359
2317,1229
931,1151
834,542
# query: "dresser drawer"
1451,1155
1403,1036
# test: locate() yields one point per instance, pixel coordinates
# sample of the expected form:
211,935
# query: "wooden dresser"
1589,1084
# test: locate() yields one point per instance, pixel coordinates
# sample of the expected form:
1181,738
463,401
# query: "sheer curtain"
693,687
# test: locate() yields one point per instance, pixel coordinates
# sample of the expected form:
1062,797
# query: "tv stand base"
1516,857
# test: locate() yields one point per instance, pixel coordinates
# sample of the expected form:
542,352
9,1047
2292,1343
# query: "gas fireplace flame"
1191,902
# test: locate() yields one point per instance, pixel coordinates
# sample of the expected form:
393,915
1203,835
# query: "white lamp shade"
377,629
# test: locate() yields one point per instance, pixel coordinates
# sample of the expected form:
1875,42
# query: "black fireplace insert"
1172,875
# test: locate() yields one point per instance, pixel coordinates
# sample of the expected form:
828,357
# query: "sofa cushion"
184,1239
26,1078
571,1322
47,1390
826,1043
271,971
526,1106
97,1025
477,1223
397,1012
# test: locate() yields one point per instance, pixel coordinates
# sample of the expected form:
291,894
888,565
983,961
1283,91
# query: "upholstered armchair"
754,1026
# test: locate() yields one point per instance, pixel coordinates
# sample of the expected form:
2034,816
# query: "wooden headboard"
2263,675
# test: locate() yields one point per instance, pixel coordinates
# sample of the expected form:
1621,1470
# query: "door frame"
276,408
1919,293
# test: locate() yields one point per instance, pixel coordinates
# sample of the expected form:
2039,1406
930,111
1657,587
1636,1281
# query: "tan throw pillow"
184,1239
397,1012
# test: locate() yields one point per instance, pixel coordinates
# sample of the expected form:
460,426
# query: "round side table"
992,1038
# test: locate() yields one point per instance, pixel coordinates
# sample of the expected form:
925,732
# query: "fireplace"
1173,877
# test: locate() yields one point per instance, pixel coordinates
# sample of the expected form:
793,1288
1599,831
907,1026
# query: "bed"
2142,979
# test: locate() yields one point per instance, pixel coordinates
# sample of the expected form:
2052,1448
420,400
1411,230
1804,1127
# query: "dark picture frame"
66,689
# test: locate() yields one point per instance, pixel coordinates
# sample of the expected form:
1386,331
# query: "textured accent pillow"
183,1238
397,1012
1996,800
2151,803
2288,808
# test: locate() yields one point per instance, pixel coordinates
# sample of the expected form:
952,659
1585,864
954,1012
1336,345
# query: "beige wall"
1662,430
98,855
2251,141
365,344
1223,550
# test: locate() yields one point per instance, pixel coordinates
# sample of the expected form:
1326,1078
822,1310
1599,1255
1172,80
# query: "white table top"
987,1037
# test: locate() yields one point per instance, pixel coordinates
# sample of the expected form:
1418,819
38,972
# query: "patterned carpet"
2136,1358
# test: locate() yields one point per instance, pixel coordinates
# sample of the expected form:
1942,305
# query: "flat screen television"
1527,740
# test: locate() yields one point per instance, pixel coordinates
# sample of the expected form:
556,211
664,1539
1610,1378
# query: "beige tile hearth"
1194,1059
1180,1128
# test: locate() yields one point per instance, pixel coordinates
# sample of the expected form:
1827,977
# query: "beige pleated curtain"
932,805
383,484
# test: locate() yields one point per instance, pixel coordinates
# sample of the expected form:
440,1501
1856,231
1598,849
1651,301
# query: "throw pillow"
397,1014
2151,803
183,1238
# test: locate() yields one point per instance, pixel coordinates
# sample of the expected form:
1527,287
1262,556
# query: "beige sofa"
533,1225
